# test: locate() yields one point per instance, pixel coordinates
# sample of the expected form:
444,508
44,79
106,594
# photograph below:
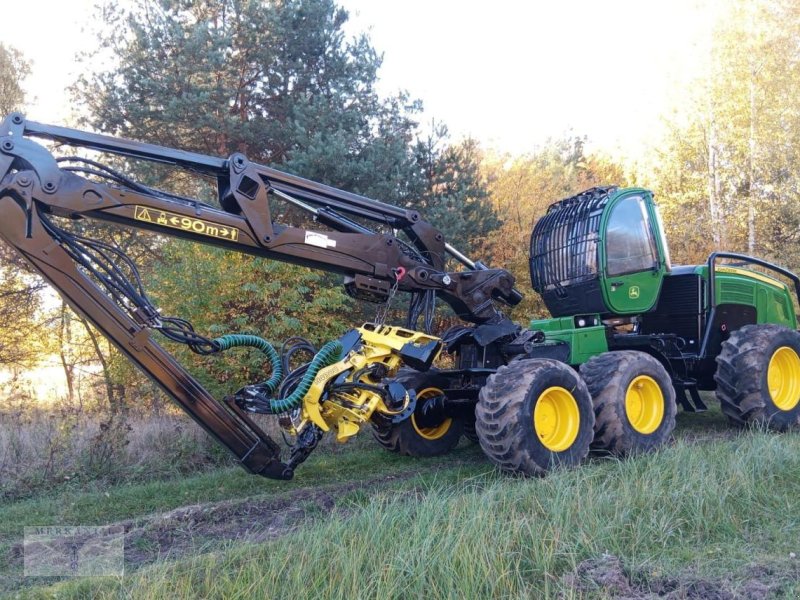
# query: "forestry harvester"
630,337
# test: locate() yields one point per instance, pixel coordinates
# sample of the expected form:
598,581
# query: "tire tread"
605,376
500,402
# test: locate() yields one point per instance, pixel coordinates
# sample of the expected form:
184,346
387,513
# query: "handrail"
712,284
712,259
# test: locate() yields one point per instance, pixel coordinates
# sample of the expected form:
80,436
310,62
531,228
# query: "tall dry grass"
47,446
43,448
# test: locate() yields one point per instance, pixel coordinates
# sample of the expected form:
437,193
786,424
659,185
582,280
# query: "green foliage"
20,321
278,81
13,71
22,333
223,292
454,195
727,172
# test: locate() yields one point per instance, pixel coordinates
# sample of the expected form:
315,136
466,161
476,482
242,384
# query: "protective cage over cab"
601,251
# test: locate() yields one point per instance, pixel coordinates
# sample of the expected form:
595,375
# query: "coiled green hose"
226,342
329,354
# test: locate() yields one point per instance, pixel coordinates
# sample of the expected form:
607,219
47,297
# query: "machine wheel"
534,415
424,433
634,402
758,377
470,433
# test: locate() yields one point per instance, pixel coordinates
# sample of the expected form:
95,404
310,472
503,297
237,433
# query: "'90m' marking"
168,219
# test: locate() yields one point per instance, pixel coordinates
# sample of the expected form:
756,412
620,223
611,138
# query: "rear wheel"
429,431
533,415
758,377
634,402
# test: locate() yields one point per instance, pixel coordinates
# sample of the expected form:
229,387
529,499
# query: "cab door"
631,265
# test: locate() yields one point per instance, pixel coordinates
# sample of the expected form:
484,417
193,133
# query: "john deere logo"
633,292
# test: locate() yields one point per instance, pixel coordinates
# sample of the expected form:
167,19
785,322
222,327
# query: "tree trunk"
114,404
64,343
752,148
717,226
751,167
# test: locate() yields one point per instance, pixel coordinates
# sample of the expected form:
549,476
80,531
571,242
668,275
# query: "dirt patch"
607,577
198,528
190,529
688,589
601,575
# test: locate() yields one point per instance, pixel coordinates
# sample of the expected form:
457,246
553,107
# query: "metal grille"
679,309
736,292
564,242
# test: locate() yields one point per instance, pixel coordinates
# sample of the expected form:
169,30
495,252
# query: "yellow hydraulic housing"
347,410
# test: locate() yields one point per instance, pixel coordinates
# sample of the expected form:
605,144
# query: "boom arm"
371,260
34,185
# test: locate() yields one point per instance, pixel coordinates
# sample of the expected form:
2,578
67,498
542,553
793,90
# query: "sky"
510,73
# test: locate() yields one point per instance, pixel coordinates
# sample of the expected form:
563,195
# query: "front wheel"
758,377
429,431
534,415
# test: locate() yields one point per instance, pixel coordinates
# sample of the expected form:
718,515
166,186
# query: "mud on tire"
527,392
634,402
420,435
758,377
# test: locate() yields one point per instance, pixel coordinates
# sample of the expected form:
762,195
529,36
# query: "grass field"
715,515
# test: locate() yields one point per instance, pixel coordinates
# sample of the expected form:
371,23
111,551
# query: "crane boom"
36,186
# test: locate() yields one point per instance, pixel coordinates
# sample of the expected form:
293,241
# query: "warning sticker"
199,226
321,240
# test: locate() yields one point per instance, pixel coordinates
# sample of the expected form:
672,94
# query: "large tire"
469,431
758,377
534,415
634,402
421,435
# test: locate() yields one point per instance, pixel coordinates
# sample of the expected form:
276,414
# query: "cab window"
630,246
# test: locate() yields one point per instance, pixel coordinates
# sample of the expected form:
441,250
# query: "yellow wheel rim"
556,419
783,378
438,431
644,404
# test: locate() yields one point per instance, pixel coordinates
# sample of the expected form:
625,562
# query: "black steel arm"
244,221
25,233
34,185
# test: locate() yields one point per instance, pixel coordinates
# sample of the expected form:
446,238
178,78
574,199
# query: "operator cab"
602,251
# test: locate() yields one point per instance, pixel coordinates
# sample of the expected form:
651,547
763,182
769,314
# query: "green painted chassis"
760,298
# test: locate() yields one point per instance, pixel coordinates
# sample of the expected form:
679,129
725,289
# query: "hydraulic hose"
226,342
329,354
